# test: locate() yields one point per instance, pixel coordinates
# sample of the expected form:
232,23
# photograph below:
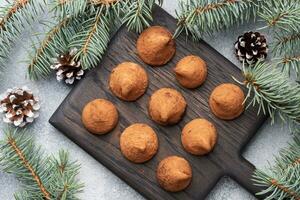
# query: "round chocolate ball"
99,116
199,137
166,106
128,81
139,143
191,71
174,174
227,101
155,46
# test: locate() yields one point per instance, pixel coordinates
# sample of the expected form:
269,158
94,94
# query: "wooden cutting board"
234,135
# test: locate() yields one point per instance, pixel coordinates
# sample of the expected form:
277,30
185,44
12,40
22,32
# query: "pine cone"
67,68
20,106
251,47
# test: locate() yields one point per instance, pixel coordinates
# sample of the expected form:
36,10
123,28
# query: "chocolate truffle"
156,46
199,137
191,71
227,101
128,81
139,143
99,116
174,173
166,106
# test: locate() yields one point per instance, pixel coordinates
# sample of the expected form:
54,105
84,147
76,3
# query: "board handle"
242,172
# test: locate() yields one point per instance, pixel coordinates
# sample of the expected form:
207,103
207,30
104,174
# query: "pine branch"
11,142
55,42
11,10
65,172
273,91
286,44
196,17
281,14
15,17
19,13
138,14
42,178
67,8
75,8
71,32
90,29
92,40
282,181
289,63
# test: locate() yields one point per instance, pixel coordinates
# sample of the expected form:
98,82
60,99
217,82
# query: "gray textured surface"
100,183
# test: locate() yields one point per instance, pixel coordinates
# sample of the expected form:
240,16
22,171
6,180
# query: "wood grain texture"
207,170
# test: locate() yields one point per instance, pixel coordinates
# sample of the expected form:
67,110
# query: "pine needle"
273,91
281,14
68,8
41,177
289,64
138,15
55,42
197,18
286,43
89,30
92,39
282,181
14,18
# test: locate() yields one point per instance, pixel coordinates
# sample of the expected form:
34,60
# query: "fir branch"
17,157
15,17
273,91
92,40
11,142
206,17
67,8
283,15
42,178
75,8
282,181
89,34
55,42
295,127
11,10
286,43
94,21
288,157
65,172
138,14
289,63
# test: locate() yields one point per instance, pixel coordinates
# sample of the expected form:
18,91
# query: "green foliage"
55,42
15,17
289,64
285,43
273,91
283,17
41,177
281,14
91,25
63,9
138,14
282,181
198,17
92,39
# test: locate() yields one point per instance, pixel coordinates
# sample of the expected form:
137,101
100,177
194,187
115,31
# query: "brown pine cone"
251,47
19,106
67,68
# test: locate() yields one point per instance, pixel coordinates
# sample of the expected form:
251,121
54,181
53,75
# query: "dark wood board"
225,159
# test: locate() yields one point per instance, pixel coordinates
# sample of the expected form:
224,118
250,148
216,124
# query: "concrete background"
100,183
